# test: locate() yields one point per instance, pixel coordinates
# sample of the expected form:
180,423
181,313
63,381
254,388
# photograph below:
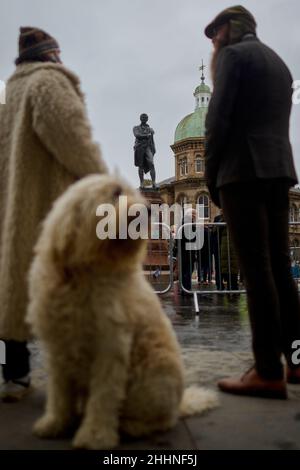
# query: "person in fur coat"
113,361
46,144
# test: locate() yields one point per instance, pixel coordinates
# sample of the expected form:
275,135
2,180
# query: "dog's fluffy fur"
112,357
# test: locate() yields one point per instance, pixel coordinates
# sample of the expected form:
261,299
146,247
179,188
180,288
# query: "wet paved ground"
222,322
215,344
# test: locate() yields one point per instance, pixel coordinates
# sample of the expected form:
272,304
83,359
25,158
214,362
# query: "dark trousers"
232,280
17,360
187,270
257,217
218,275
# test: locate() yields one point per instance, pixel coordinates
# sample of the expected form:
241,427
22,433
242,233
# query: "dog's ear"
62,252
64,234
62,269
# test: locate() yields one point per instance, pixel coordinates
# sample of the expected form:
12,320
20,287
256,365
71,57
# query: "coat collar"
27,68
249,37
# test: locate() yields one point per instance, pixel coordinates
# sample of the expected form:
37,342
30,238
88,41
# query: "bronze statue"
144,150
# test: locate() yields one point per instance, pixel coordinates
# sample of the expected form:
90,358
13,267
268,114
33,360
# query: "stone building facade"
188,185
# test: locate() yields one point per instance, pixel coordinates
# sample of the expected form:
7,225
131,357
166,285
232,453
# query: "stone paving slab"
249,423
16,420
213,346
238,423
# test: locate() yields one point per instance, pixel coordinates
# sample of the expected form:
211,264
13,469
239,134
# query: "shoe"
293,375
14,390
251,384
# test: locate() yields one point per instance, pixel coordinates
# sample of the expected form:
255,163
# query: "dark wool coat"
247,124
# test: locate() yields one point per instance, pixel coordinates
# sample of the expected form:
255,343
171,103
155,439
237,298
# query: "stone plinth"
157,260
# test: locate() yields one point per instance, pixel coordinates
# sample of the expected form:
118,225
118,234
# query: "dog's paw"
49,426
95,440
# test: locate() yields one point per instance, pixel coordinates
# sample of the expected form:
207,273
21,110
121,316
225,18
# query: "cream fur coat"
46,144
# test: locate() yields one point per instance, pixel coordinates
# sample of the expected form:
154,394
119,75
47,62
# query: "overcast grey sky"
137,56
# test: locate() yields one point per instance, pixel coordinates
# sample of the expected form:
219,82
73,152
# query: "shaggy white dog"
112,356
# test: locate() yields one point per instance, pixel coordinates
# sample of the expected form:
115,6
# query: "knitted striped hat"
35,43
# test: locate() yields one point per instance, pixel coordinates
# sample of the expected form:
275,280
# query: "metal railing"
213,269
295,253
158,267
215,265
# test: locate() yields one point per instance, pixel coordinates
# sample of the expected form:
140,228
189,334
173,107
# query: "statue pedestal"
156,264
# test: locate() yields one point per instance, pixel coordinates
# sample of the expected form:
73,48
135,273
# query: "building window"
203,206
185,164
182,200
180,168
183,167
293,213
199,164
295,250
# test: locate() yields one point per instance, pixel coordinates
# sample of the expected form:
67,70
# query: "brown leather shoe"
252,384
293,375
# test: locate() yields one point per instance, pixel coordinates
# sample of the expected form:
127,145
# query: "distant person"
249,170
46,145
187,256
228,260
204,258
216,248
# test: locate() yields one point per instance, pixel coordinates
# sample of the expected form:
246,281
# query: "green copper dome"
202,89
192,125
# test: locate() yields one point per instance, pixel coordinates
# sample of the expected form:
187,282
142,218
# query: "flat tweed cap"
238,13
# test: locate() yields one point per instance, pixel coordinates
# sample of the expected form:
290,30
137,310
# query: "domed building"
188,186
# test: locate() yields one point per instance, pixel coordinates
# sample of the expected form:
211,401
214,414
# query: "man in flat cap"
249,170
46,144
